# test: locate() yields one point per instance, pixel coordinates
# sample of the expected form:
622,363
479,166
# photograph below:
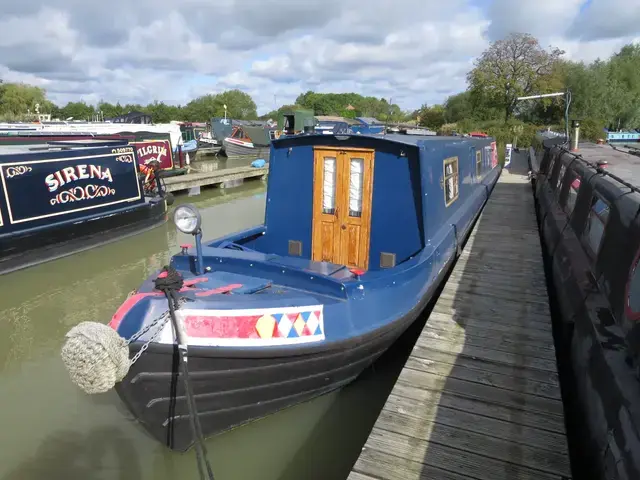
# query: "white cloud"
414,51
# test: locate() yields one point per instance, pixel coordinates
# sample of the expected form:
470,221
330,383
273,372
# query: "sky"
410,51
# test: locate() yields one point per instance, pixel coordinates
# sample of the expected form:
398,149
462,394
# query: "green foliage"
19,101
510,68
337,103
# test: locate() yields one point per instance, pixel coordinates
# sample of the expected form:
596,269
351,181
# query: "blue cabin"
372,202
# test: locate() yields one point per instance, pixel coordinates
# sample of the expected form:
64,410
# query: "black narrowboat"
60,198
588,206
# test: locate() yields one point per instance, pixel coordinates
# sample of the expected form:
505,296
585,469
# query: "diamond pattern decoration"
265,326
296,323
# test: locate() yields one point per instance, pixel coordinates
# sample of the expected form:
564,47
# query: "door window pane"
356,171
329,186
450,180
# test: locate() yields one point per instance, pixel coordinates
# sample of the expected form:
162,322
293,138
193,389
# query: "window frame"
571,176
629,312
583,235
455,175
478,163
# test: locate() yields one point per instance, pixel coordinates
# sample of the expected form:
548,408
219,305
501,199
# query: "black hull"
234,387
29,249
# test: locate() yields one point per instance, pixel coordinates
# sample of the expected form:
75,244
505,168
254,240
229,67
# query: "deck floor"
479,396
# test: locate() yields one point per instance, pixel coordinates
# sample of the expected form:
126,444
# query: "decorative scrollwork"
87,192
125,158
15,171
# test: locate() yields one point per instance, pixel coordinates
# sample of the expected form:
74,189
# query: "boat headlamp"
187,218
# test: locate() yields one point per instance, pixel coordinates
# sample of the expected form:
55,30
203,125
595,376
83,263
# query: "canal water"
50,429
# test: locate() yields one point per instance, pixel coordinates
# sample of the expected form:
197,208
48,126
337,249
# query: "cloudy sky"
413,51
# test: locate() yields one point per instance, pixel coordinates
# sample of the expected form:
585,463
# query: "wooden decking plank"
468,464
492,427
479,391
472,363
502,345
540,421
472,442
491,354
473,303
461,312
491,330
479,396
492,379
379,465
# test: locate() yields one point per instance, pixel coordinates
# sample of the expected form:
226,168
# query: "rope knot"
170,282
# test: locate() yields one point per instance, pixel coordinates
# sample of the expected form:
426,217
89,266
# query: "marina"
464,384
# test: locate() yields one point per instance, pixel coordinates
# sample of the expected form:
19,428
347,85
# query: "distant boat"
248,141
64,197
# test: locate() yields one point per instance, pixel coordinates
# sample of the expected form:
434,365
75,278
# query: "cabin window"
563,169
329,186
450,180
355,187
572,196
633,293
478,163
596,221
551,164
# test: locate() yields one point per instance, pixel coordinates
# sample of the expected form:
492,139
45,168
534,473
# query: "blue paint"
409,218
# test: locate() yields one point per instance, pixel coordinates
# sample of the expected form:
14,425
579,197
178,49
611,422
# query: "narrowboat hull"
593,294
233,148
272,320
69,197
47,244
233,387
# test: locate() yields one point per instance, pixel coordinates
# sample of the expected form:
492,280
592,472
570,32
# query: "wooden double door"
342,192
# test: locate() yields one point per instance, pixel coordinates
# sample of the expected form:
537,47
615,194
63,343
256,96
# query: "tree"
510,68
77,111
19,100
431,117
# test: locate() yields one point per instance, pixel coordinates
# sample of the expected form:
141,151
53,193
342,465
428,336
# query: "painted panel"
56,187
250,327
158,150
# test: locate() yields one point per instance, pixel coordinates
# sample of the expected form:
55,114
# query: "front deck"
479,396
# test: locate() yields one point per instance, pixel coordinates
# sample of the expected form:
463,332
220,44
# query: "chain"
160,322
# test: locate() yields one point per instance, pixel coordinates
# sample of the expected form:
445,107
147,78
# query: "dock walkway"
214,177
479,396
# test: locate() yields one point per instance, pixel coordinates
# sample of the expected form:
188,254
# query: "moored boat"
359,232
588,204
64,197
248,141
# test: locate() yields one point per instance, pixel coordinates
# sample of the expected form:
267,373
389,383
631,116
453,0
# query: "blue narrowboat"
359,231
63,197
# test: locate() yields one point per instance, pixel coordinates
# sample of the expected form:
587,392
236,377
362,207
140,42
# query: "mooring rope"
96,357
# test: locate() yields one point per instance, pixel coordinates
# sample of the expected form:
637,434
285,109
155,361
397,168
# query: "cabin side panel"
396,214
454,188
289,209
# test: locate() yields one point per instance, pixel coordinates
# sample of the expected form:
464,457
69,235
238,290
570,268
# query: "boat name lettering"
82,193
19,170
73,174
125,158
156,151
122,150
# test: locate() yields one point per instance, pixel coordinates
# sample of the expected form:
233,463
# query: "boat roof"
623,162
410,140
66,145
